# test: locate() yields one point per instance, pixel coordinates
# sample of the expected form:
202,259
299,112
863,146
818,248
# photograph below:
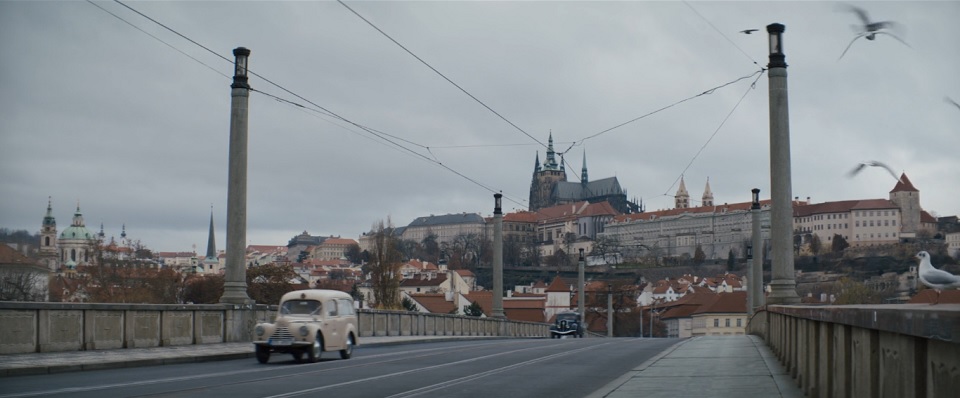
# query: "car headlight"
260,330
304,331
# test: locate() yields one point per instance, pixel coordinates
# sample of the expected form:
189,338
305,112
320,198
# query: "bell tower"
48,239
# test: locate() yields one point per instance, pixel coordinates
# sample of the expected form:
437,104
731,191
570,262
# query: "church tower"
210,263
707,199
545,178
682,198
583,172
48,239
907,198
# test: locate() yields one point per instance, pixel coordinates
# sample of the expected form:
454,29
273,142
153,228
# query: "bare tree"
23,282
384,267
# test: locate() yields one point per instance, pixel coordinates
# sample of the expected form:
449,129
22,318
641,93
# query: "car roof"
314,294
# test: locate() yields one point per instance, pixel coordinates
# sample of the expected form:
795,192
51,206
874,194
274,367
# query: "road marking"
405,372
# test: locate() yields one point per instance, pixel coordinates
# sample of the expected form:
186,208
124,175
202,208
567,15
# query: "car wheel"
263,354
347,352
314,352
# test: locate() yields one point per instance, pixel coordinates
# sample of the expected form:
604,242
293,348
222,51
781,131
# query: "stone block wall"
908,350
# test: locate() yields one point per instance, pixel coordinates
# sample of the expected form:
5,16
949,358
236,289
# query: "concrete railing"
51,327
909,350
403,323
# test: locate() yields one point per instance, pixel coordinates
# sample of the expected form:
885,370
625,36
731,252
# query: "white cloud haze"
99,113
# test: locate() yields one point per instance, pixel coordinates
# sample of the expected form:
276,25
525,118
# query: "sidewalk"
708,366
73,361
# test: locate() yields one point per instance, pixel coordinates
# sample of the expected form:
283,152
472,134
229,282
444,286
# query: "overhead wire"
722,34
318,108
717,130
439,73
158,39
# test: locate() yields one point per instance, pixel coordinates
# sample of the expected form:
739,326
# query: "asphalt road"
501,368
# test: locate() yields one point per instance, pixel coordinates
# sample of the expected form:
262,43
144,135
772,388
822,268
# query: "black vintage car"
567,324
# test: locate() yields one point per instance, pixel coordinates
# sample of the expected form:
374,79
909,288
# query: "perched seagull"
870,30
935,278
872,163
748,31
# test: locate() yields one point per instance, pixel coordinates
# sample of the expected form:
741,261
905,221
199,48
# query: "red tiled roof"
9,255
419,282
599,209
434,303
464,272
560,211
558,286
650,215
725,303
927,218
338,241
904,185
929,296
521,216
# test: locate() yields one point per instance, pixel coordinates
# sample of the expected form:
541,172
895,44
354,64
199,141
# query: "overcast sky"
96,112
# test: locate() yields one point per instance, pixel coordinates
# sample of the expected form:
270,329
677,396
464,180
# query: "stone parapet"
866,350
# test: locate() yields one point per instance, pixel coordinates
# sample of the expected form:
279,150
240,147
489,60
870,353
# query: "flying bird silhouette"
935,278
872,163
748,31
951,101
870,30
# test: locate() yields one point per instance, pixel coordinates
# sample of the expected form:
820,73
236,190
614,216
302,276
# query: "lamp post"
755,290
497,311
609,310
580,306
235,278
783,285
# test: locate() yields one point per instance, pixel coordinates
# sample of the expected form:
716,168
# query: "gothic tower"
211,263
544,179
707,199
907,197
682,198
48,239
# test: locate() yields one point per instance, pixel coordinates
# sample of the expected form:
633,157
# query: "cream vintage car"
309,322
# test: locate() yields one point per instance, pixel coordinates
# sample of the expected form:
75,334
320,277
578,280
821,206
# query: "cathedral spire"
682,198
536,163
707,199
48,219
551,162
583,171
211,242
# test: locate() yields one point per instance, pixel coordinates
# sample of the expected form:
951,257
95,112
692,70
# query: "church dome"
77,232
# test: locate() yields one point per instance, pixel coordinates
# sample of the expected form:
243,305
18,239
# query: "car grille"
282,333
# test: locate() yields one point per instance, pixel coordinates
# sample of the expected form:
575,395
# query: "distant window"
716,323
739,322
727,322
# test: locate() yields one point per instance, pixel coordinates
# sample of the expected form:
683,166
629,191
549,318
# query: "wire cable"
441,74
158,39
722,34
327,112
724,121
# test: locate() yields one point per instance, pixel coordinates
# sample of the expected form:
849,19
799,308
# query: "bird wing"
940,277
848,46
888,169
951,101
856,169
894,36
860,13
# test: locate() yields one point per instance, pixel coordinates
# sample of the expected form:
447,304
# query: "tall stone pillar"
235,281
755,290
497,311
783,284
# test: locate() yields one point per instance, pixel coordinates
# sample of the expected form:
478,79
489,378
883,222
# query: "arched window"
73,254
46,241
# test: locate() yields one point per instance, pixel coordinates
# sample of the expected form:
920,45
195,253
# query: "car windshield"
567,317
300,307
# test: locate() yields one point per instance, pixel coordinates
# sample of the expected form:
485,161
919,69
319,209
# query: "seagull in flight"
935,278
872,163
748,31
951,101
870,30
